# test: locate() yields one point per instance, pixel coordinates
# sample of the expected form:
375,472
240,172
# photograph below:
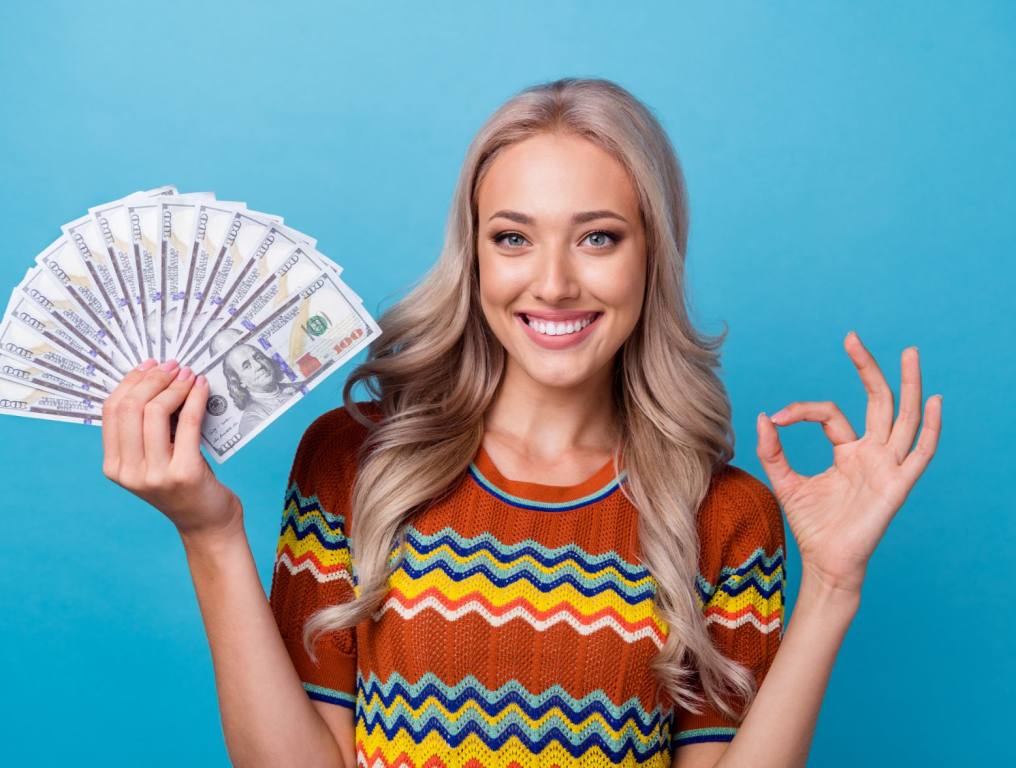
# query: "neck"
553,421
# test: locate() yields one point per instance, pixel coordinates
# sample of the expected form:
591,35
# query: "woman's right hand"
170,474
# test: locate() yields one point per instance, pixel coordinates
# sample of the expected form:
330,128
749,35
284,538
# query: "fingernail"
201,380
778,415
147,364
168,365
185,373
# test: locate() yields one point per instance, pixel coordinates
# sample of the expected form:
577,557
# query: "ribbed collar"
541,496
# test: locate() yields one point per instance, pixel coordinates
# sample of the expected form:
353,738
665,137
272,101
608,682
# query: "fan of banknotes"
235,294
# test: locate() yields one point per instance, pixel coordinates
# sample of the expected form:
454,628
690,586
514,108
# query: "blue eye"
498,238
614,238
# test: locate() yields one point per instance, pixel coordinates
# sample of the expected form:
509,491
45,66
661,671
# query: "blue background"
849,166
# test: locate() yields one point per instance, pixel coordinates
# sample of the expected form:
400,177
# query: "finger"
158,449
774,461
188,427
834,423
879,415
902,437
110,420
918,459
132,407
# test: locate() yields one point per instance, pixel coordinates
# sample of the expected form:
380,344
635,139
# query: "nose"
555,278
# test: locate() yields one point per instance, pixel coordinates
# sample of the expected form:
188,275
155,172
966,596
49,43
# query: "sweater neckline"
544,497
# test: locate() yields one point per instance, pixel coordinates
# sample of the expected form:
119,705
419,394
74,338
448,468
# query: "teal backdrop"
850,165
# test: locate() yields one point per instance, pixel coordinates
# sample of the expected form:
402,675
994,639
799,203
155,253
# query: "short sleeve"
740,587
313,564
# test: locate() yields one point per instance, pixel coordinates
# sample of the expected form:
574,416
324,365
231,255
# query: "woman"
556,564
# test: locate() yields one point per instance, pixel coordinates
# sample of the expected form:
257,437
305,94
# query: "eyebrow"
578,218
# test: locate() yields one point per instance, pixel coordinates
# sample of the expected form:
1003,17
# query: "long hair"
436,368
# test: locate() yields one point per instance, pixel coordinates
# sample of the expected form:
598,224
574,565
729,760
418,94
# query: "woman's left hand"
838,516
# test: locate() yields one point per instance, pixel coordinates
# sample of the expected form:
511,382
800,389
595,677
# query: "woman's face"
559,237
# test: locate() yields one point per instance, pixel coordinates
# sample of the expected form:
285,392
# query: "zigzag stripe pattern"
438,721
402,751
470,712
456,575
529,557
313,540
750,593
582,625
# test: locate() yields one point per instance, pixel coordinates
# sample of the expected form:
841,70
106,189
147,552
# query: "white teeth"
559,329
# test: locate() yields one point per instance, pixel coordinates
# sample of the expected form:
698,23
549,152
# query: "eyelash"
612,235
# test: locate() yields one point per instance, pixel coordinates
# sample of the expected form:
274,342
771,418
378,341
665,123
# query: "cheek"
630,282
621,289
501,281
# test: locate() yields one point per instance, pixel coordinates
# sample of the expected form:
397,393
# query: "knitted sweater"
519,627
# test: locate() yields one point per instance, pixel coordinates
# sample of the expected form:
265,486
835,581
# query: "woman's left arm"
837,518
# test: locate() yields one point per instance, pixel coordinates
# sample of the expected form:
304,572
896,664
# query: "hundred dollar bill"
24,400
261,372
177,255
10,300
145,229
218,262
272,280
24,343
84,235
33,375
222,232
77,341
111,220
336,269
46,290
62,261
241,267
42,287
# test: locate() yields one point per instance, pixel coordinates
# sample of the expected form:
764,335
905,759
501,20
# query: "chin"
559,377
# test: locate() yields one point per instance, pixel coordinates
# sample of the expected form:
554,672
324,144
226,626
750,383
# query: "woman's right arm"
267,717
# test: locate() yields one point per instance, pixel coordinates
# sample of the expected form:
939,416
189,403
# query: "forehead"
551,176
242,352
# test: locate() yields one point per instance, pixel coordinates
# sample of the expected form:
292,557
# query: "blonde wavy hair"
436,368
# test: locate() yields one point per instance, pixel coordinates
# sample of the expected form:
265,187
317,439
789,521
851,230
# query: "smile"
558,335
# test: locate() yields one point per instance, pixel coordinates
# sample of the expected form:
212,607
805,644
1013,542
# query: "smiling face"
562,258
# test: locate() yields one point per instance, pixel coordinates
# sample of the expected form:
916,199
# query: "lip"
558,315
558,342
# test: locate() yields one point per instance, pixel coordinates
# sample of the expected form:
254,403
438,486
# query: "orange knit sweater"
519,628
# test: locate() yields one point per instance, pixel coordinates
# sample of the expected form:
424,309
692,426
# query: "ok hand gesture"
838,516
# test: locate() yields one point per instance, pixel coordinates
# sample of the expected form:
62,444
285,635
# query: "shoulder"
327,431
328,452
734,492
739,515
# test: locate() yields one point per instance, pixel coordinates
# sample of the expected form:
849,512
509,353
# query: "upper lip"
559,315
